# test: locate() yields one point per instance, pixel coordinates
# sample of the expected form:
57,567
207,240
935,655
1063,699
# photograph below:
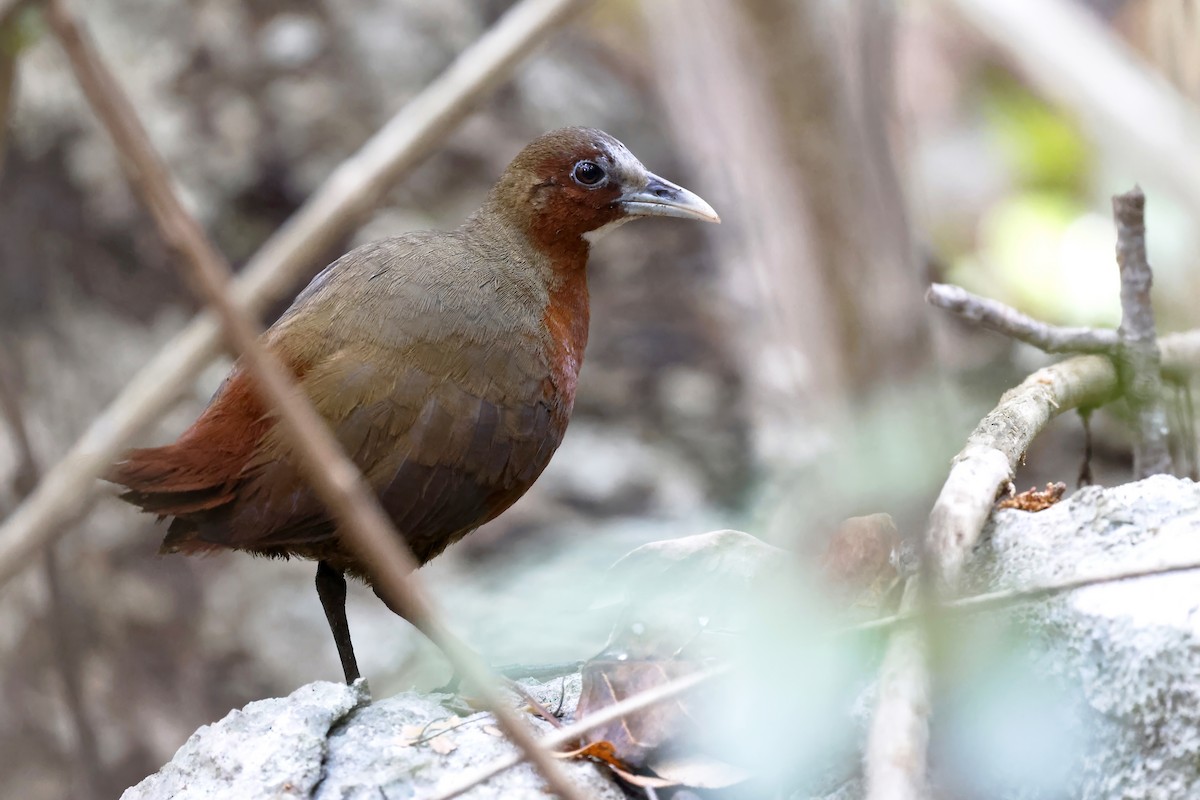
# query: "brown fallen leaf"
634,737
605,752
602,751
1035,499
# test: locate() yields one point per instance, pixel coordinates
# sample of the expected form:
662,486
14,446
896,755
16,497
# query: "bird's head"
574,184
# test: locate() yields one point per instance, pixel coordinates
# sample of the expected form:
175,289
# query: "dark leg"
331,588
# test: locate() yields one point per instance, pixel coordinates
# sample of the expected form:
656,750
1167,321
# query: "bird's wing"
444,445
442,406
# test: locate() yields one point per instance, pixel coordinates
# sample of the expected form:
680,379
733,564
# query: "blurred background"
775,374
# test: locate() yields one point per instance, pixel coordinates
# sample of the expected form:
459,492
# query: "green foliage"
1041,144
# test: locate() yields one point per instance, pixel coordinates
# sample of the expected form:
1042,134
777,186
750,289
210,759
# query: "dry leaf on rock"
1035,499
634,737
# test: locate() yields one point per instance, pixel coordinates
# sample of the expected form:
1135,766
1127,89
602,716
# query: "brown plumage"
445,363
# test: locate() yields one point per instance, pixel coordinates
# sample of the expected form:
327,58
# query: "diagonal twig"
361,520
570,733
899,730
1005,598
997,316
70,485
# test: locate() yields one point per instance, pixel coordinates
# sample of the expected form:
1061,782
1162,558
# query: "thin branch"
1141,376
1006,598
70,486
361,520
995,447
570,733
997,316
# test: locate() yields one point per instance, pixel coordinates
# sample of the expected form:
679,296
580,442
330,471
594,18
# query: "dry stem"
361,521
1003,598
1001,318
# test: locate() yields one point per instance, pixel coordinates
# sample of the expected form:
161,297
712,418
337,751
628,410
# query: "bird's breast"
565,322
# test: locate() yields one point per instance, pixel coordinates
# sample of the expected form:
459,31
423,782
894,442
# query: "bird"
445,363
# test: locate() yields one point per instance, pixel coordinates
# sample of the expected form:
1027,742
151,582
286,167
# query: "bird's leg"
331,588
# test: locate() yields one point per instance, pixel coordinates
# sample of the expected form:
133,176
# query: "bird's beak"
661,198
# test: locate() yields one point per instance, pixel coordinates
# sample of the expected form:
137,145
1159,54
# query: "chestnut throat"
559,258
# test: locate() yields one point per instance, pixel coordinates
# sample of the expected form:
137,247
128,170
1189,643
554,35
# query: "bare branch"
1005,598
995,448
361,520
1141,377
416,130
997,316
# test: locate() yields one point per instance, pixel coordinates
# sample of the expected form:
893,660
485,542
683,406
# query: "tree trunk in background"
800,155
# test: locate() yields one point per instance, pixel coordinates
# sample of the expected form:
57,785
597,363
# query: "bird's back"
439,367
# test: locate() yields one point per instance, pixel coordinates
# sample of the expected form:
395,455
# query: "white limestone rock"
1131,650
328,741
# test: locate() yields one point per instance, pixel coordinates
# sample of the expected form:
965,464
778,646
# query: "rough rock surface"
1131,650
328,740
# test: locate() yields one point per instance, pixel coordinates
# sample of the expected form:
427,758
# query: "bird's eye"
588,173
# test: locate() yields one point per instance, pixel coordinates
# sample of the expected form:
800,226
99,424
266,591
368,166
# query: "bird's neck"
552,238
561,266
